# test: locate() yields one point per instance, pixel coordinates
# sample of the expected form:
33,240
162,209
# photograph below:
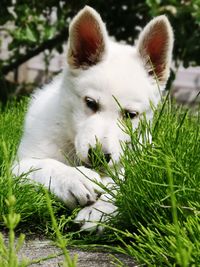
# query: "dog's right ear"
87,39
155,48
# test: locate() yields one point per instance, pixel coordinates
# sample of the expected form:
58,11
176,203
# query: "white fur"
59,127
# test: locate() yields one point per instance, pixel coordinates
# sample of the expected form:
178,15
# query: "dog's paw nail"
89,200
98,195
79,223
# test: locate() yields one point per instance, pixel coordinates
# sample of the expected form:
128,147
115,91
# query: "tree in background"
37,26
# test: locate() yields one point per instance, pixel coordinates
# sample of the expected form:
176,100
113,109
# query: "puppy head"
101,71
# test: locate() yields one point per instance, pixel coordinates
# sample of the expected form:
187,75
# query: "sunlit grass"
159,200
24,207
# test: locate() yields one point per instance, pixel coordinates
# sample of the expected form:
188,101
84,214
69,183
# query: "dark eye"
92,104
127,114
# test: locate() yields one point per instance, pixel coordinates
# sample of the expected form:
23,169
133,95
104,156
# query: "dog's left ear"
87,39
155,47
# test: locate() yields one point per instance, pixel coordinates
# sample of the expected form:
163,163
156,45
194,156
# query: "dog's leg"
74,186
104,208
90,217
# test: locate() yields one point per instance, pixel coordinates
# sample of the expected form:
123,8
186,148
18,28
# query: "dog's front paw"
77,187
91,217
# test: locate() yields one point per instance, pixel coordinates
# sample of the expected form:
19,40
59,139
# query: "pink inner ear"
89,42
156,48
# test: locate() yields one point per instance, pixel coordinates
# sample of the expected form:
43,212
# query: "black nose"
97,157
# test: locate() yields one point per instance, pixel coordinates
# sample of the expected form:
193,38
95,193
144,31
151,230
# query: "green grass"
24,207
31,200
158,201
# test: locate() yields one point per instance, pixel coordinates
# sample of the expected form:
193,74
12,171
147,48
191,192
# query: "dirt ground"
48,255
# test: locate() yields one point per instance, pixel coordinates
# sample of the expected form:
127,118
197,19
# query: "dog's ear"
87,42
155,47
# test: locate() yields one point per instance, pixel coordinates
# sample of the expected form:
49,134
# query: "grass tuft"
31,198
158,200
23,205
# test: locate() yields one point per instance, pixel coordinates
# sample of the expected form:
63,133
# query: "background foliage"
38,26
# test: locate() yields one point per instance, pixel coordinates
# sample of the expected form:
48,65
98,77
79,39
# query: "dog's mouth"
86,164
99,164
99,167
97,159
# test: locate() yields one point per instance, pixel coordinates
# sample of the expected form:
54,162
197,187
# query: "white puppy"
67,116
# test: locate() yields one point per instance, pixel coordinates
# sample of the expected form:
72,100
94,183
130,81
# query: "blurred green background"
33,27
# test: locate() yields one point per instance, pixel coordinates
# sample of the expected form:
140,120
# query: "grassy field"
158,201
